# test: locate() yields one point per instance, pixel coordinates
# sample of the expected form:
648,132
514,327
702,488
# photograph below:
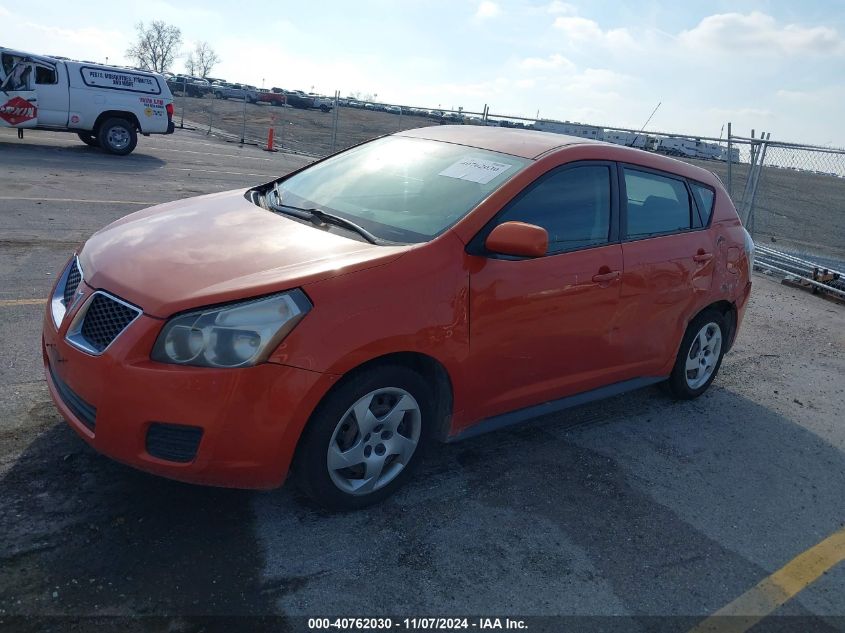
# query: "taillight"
169,108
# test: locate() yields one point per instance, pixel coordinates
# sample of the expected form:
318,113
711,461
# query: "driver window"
572,204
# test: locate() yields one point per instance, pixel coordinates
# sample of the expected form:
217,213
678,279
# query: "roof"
514,141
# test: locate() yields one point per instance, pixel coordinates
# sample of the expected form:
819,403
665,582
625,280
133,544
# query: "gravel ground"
649,512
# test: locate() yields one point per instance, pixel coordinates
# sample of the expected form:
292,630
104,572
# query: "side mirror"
518,238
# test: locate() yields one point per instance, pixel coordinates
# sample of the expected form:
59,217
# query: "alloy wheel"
374,441
703,355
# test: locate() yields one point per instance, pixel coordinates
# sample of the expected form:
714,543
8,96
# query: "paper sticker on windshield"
477,170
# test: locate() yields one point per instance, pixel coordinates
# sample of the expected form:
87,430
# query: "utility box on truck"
105,105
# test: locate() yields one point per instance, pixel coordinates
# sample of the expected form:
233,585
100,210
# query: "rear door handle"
702,257
603,278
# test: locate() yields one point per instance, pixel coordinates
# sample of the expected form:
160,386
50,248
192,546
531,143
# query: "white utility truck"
106,106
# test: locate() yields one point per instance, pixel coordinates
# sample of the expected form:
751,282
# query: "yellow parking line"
22,302
75,200
772,592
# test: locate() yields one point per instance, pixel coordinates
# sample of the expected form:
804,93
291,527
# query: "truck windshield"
401,189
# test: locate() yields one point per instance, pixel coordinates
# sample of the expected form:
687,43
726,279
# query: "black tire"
324,108
679,383
116,128
311,469
89,138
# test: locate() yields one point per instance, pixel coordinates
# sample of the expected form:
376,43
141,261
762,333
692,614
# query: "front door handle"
702,257
604,278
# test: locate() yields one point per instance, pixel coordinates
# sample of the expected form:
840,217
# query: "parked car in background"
299,99
516,273
187,86
273,98
236,91
392,109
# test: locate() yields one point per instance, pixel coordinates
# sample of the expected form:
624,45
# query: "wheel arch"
432,371
729,311
116,114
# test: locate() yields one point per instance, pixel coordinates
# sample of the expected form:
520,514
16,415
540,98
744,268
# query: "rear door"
18,98
544,328
668,270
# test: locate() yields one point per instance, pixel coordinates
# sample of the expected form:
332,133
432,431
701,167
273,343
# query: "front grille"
105,318
173,442
86,413
74,276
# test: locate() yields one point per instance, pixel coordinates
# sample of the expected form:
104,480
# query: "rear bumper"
741,304
246,422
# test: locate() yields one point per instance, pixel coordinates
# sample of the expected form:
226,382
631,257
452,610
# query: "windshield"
401,189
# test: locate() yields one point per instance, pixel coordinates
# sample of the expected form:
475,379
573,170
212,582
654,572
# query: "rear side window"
45,75
573,205
704,197
656,204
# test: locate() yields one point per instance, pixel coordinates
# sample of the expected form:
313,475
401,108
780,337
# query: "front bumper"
249,419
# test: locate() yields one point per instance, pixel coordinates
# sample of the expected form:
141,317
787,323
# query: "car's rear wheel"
365,439
88,138
700,355
117,136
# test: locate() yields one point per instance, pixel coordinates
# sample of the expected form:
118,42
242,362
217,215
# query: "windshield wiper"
324,217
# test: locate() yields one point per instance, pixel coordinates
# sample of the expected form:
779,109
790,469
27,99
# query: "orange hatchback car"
429,285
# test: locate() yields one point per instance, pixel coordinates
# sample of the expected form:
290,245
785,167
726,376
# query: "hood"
213,249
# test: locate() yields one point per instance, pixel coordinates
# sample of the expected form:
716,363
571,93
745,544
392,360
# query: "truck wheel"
117,136
89,138
324,108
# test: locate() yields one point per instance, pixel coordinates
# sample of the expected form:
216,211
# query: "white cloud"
556,6
578,30
553,62
487,9
759,34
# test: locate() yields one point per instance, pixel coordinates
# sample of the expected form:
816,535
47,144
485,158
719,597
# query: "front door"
545,328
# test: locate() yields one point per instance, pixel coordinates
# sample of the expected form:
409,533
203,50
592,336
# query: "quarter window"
704,196
656,204
573,205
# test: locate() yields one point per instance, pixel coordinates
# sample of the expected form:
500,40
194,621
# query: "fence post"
184,101
730,161
243,122
210,114
762,157
334,120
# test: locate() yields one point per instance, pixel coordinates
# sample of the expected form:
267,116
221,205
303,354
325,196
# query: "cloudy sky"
775,66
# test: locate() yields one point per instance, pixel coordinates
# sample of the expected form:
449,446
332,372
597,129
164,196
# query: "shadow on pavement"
556,517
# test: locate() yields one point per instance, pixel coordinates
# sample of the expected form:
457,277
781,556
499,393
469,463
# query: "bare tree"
157,46
203,59
190,65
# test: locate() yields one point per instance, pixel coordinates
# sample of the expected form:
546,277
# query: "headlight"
235,335
65,290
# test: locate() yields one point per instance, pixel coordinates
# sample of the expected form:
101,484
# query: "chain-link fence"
790,196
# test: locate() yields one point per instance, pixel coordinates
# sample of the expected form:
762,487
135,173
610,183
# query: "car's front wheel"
365,439
700,355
